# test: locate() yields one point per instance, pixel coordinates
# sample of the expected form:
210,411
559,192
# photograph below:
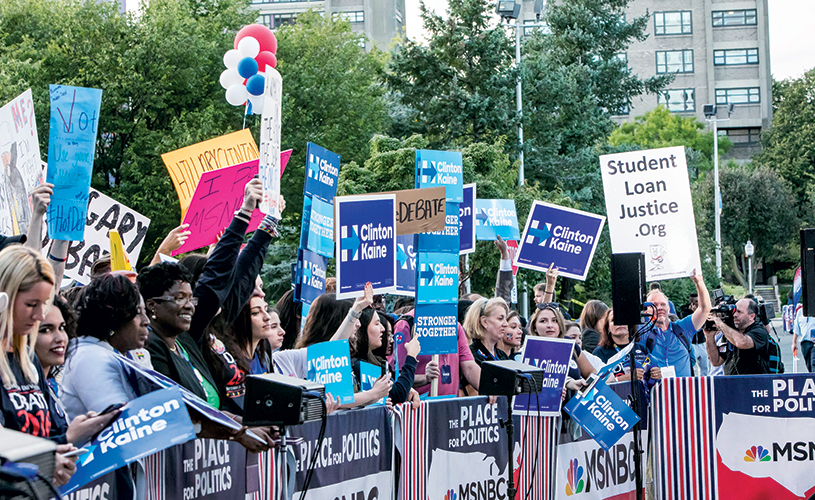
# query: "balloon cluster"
244,78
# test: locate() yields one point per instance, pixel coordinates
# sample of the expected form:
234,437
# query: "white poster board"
269,168
650,211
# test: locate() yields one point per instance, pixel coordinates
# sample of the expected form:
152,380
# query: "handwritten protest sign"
441,168
496,218
436,325
270,123
419,210
104,214
650,211
329,363
552,356
466,221
22,169
561,236
186,165
71,150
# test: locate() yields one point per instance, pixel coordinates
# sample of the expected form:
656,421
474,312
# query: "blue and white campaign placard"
561,236
368,375
329,363
436,325
406,265
441,168
442,241
602,414
321,228
322,173
146,425
650,210
366,244
311,273
466,220
552,356
71,150
305,222
496,218
437,280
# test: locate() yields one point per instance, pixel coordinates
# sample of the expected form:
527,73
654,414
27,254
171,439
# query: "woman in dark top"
614,338
592,314
369,338
486,324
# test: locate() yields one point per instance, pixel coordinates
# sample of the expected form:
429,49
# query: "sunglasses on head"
549,305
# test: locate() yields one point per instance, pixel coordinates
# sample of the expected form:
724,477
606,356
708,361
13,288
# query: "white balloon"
236,94
232,58
230,77
257,104
249,47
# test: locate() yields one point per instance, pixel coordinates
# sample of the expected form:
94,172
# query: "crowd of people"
205,323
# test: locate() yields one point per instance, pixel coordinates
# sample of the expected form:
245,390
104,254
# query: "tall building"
719,51
380,20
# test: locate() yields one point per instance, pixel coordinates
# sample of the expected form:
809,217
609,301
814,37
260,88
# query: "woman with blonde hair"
486,324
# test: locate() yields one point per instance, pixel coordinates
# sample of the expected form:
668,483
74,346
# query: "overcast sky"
792,42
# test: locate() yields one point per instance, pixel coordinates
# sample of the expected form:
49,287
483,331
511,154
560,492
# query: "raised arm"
701,313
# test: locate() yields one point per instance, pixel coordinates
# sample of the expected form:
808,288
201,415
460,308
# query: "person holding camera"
743,347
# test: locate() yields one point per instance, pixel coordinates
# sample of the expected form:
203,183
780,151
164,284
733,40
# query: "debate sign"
146,425
496,218
466,220
561,236
441,168
552,356
602,414
366,247
419,210
71,150
22,168
650,210
329,363
186,165
311,274
321,228
322,173
437,278
446,240
436,325
406,265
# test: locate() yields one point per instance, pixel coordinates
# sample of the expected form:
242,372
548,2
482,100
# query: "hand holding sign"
382,387
41,198
172,242
413,347
252,194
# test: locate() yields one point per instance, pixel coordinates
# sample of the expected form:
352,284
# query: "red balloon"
266,59
264,36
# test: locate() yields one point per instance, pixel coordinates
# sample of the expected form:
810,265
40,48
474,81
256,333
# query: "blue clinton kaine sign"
441,168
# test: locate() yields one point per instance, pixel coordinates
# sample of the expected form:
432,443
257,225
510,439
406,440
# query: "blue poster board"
322,173
329,363
311,274
368,374
442,241
466,220
321,228
406,265
437,278
553,357
496,218
559,235
305,222
602,414
366,244
437,325
441,168
71,150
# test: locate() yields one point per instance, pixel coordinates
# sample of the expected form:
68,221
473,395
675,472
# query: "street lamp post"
749,249
711,111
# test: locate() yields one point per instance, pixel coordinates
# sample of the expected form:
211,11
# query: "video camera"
766,312
723,307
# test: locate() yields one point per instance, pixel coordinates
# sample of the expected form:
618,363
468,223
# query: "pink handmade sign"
217,197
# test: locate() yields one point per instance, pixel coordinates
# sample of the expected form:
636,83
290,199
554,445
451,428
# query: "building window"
266,20
734,18
742,136
398,16
623,111
673,23
675,61
352,17
735,57
749,95
679,100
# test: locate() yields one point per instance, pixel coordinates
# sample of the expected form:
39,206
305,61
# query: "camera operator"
745,350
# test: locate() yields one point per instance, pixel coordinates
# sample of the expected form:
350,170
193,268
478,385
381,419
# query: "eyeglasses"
549,305
179,301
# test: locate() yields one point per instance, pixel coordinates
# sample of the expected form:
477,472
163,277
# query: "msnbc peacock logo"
574,479
451,495
757,454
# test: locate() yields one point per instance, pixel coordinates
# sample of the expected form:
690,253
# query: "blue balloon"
255,84
247,67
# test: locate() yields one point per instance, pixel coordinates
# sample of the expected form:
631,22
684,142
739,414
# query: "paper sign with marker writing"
270,123
186,165
496,218
602,414
329,363
22,168
321,228
552,356
406,265
650,210
71,150
311,273
561,236
441,168
466,220
366,247
437,279
322,173
436,325
419,210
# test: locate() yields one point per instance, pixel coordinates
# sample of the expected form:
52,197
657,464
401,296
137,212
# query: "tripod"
510,427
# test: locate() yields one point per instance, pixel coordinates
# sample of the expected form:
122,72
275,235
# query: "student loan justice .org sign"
650,211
